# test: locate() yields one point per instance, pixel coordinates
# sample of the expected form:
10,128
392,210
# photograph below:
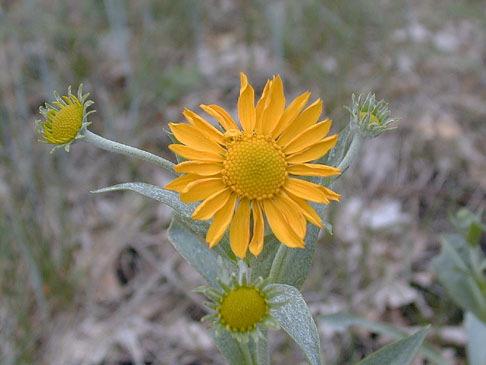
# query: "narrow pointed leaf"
167,197
401,352
193,248
344,321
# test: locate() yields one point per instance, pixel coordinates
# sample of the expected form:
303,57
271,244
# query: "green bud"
369,116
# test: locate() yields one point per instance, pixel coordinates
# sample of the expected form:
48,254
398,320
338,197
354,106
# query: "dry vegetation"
88,279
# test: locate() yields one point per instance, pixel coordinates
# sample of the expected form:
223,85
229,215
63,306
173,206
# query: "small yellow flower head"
253,171
241,307
369,116
65,119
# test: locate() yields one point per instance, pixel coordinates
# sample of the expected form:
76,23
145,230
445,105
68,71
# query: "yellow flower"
242,307
65,119
253,170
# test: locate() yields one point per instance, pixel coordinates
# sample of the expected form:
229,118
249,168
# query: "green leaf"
167,197
476,333
185,234
295,318
229,347
194,249
260,350
345,320
453,267
469,225
401,352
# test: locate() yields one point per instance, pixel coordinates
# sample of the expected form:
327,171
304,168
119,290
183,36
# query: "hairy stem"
352,152
116,147
278,263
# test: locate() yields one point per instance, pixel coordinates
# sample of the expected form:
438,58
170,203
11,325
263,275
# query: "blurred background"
88,279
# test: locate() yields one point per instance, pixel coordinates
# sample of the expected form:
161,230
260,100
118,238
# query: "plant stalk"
120,148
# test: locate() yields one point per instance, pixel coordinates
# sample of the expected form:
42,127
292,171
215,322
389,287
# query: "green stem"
352,152
116,147
278,263
246,353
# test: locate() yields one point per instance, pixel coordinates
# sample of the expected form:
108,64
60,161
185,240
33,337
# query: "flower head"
242,307
65,119
370,116
253,170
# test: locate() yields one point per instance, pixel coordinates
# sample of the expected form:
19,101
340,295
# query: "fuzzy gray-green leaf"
295,318
401,352
476,339
343,321
229,348
193,248
453,268
165,196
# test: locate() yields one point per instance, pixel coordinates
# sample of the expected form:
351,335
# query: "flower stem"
352,152
116,147
278,263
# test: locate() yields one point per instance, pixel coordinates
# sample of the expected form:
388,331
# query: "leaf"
229,347
260,349
401,352
295,318
346,320
195,250
476,333
454,273
167,197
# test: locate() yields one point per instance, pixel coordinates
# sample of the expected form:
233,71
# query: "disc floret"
254,166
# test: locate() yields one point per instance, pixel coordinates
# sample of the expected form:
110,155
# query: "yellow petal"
279,225
201,189
290,113
221,221
315,151
211,205
221,116
204,126
304,120
310,169
190,136
240,229
199,168
180,183
261,105
331,195
293,215
256,243
246,105
310,136
273,112
306,190
308,211
192,154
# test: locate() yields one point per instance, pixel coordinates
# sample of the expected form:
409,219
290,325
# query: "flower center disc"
66,122
242,308
254,167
